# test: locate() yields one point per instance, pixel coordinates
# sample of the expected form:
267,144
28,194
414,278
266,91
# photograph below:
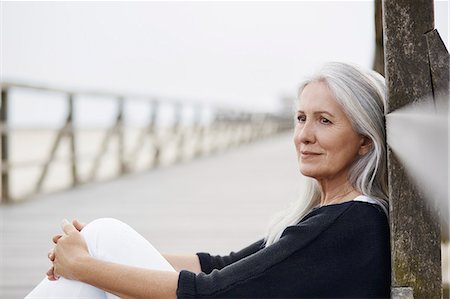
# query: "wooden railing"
225,128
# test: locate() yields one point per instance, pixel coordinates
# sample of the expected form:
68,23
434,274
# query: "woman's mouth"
307,154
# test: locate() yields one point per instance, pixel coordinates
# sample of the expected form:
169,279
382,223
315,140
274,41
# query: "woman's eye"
325,121
301,118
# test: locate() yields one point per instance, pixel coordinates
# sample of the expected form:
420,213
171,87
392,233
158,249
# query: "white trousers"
110,240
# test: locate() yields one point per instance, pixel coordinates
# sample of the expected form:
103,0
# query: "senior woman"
333,242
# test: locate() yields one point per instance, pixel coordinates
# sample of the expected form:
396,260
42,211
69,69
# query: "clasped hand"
69,250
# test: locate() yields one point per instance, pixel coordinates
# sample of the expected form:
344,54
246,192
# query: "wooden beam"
439,60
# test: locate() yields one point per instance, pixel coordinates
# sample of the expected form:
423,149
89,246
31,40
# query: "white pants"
110,240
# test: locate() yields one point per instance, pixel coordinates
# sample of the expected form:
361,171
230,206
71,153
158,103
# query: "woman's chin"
308,173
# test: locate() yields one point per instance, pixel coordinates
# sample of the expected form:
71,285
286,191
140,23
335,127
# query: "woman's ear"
366,145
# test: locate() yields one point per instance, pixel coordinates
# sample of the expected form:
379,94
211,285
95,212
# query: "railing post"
178,131
71,135
217,130
4,147
198,131
120,136
154,106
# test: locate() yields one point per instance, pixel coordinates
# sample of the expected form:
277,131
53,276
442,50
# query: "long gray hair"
361,94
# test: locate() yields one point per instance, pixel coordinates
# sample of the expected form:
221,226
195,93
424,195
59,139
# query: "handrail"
98,93
225,122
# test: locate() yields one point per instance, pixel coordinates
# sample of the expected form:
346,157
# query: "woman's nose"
305,133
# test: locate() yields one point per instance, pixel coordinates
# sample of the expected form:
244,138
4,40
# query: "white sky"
245,54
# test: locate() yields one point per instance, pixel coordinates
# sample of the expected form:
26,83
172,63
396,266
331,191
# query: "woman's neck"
335,192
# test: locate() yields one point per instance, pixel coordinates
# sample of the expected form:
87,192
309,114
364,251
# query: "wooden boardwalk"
215,204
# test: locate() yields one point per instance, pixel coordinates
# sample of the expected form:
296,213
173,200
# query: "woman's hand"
51,254
75,240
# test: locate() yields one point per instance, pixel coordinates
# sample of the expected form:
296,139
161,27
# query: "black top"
336,251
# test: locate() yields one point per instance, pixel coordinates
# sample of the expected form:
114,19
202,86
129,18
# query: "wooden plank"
439,60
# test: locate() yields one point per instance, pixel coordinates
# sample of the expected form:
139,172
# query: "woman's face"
325,140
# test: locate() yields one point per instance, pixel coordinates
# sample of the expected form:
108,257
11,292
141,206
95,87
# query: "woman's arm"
184,262
126,281
72,261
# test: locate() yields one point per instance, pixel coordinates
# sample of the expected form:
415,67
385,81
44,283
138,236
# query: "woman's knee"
102,223
103,232
115,241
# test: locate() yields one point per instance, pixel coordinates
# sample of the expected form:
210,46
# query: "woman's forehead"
316,97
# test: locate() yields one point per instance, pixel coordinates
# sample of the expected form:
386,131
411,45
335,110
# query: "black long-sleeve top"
335,251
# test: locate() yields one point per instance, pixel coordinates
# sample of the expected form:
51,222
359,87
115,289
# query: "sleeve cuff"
205,262
186,285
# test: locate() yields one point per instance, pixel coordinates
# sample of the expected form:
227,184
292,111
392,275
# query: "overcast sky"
246,54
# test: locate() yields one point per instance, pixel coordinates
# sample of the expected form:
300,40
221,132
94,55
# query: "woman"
334,242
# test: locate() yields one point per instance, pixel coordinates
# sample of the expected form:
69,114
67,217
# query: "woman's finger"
51,255
56,238
68,227
78,225
51,274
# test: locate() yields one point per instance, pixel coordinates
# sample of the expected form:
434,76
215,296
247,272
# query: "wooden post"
71,135
4,147
120,136
198,131
415,231
154,134
378,63
177,132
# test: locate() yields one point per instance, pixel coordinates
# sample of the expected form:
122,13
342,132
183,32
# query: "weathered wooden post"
415,231
177,131
154,106
71,135
120,135
378,62
198,130
4,169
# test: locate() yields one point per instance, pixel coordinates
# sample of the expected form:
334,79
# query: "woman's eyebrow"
317,112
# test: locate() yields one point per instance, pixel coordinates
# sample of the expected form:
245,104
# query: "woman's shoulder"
378,204
361,204
364,217
363,211
352,221
371,208
352,218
